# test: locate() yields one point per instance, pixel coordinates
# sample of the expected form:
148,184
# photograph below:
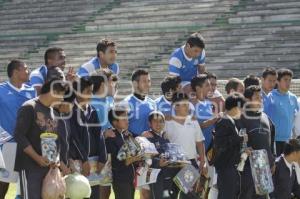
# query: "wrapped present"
130,151
261,172
186,178
175,155
106,173
147,148
49,147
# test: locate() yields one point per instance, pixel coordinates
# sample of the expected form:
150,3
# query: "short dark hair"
232,83
179,97
292,146
251,80
269,71
55,73
234,100
69,95
114,114
196,40
82,83
137,74
249,92
155,114
55,84
284,72
170,83
198,81
99,79
13,65
104,44
50,52
212,76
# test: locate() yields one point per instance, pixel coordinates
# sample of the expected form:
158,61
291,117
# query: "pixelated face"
122,122
22,73
213,84
144,84
256,100
58,96
182,108
65,107
157,123
206,88
240,89
269,82
194,51
59,60
86,94
285,83
110,55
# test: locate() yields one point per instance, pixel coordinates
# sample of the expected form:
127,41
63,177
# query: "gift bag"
175,155
54,186
130,151
186,178
261,172
7,174
106,173
148,149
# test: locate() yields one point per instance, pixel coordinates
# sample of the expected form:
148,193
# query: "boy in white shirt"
186,132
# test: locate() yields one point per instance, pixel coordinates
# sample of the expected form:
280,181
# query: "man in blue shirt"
204,107
138,103
281,106
13,93
54,57
188,60
268,82
106,57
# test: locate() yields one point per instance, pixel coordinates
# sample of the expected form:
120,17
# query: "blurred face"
269,82
284,83
22,73
204,90
86,94
182,108
122,122
57,96
240,89
256,100
193,52
157,124
59,60
112,87
213,84
109,57
65,107
296,156
144,84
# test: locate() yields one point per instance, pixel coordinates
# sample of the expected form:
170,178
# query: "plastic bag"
175,155
186,178
54,186
130,148
261,172
106,172
49,147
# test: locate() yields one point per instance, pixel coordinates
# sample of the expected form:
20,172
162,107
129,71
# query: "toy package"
186,178
148,149
261,172
130,150
49,147
174,155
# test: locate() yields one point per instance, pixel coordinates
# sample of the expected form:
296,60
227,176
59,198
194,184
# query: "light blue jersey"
138,112
38,76
281,108
11,99
181,65
93,65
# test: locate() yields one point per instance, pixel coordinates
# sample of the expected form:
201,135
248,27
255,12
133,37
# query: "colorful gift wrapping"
261,172
148,148
49,147
174,155
129,150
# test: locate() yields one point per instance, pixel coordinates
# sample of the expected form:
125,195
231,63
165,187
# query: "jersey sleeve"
115,69
36,78
174,66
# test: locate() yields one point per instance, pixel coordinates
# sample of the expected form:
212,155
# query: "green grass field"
12,193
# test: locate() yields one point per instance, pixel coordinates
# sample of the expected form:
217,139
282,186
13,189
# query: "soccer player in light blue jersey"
106,58
54,57
188,60
13,93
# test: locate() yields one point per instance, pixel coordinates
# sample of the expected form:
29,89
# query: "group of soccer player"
80,107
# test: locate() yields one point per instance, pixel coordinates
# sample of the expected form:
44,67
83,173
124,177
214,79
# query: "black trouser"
247,185
165,188
3,189
95,192
123,190
228,183
280,147
32,183
190,195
